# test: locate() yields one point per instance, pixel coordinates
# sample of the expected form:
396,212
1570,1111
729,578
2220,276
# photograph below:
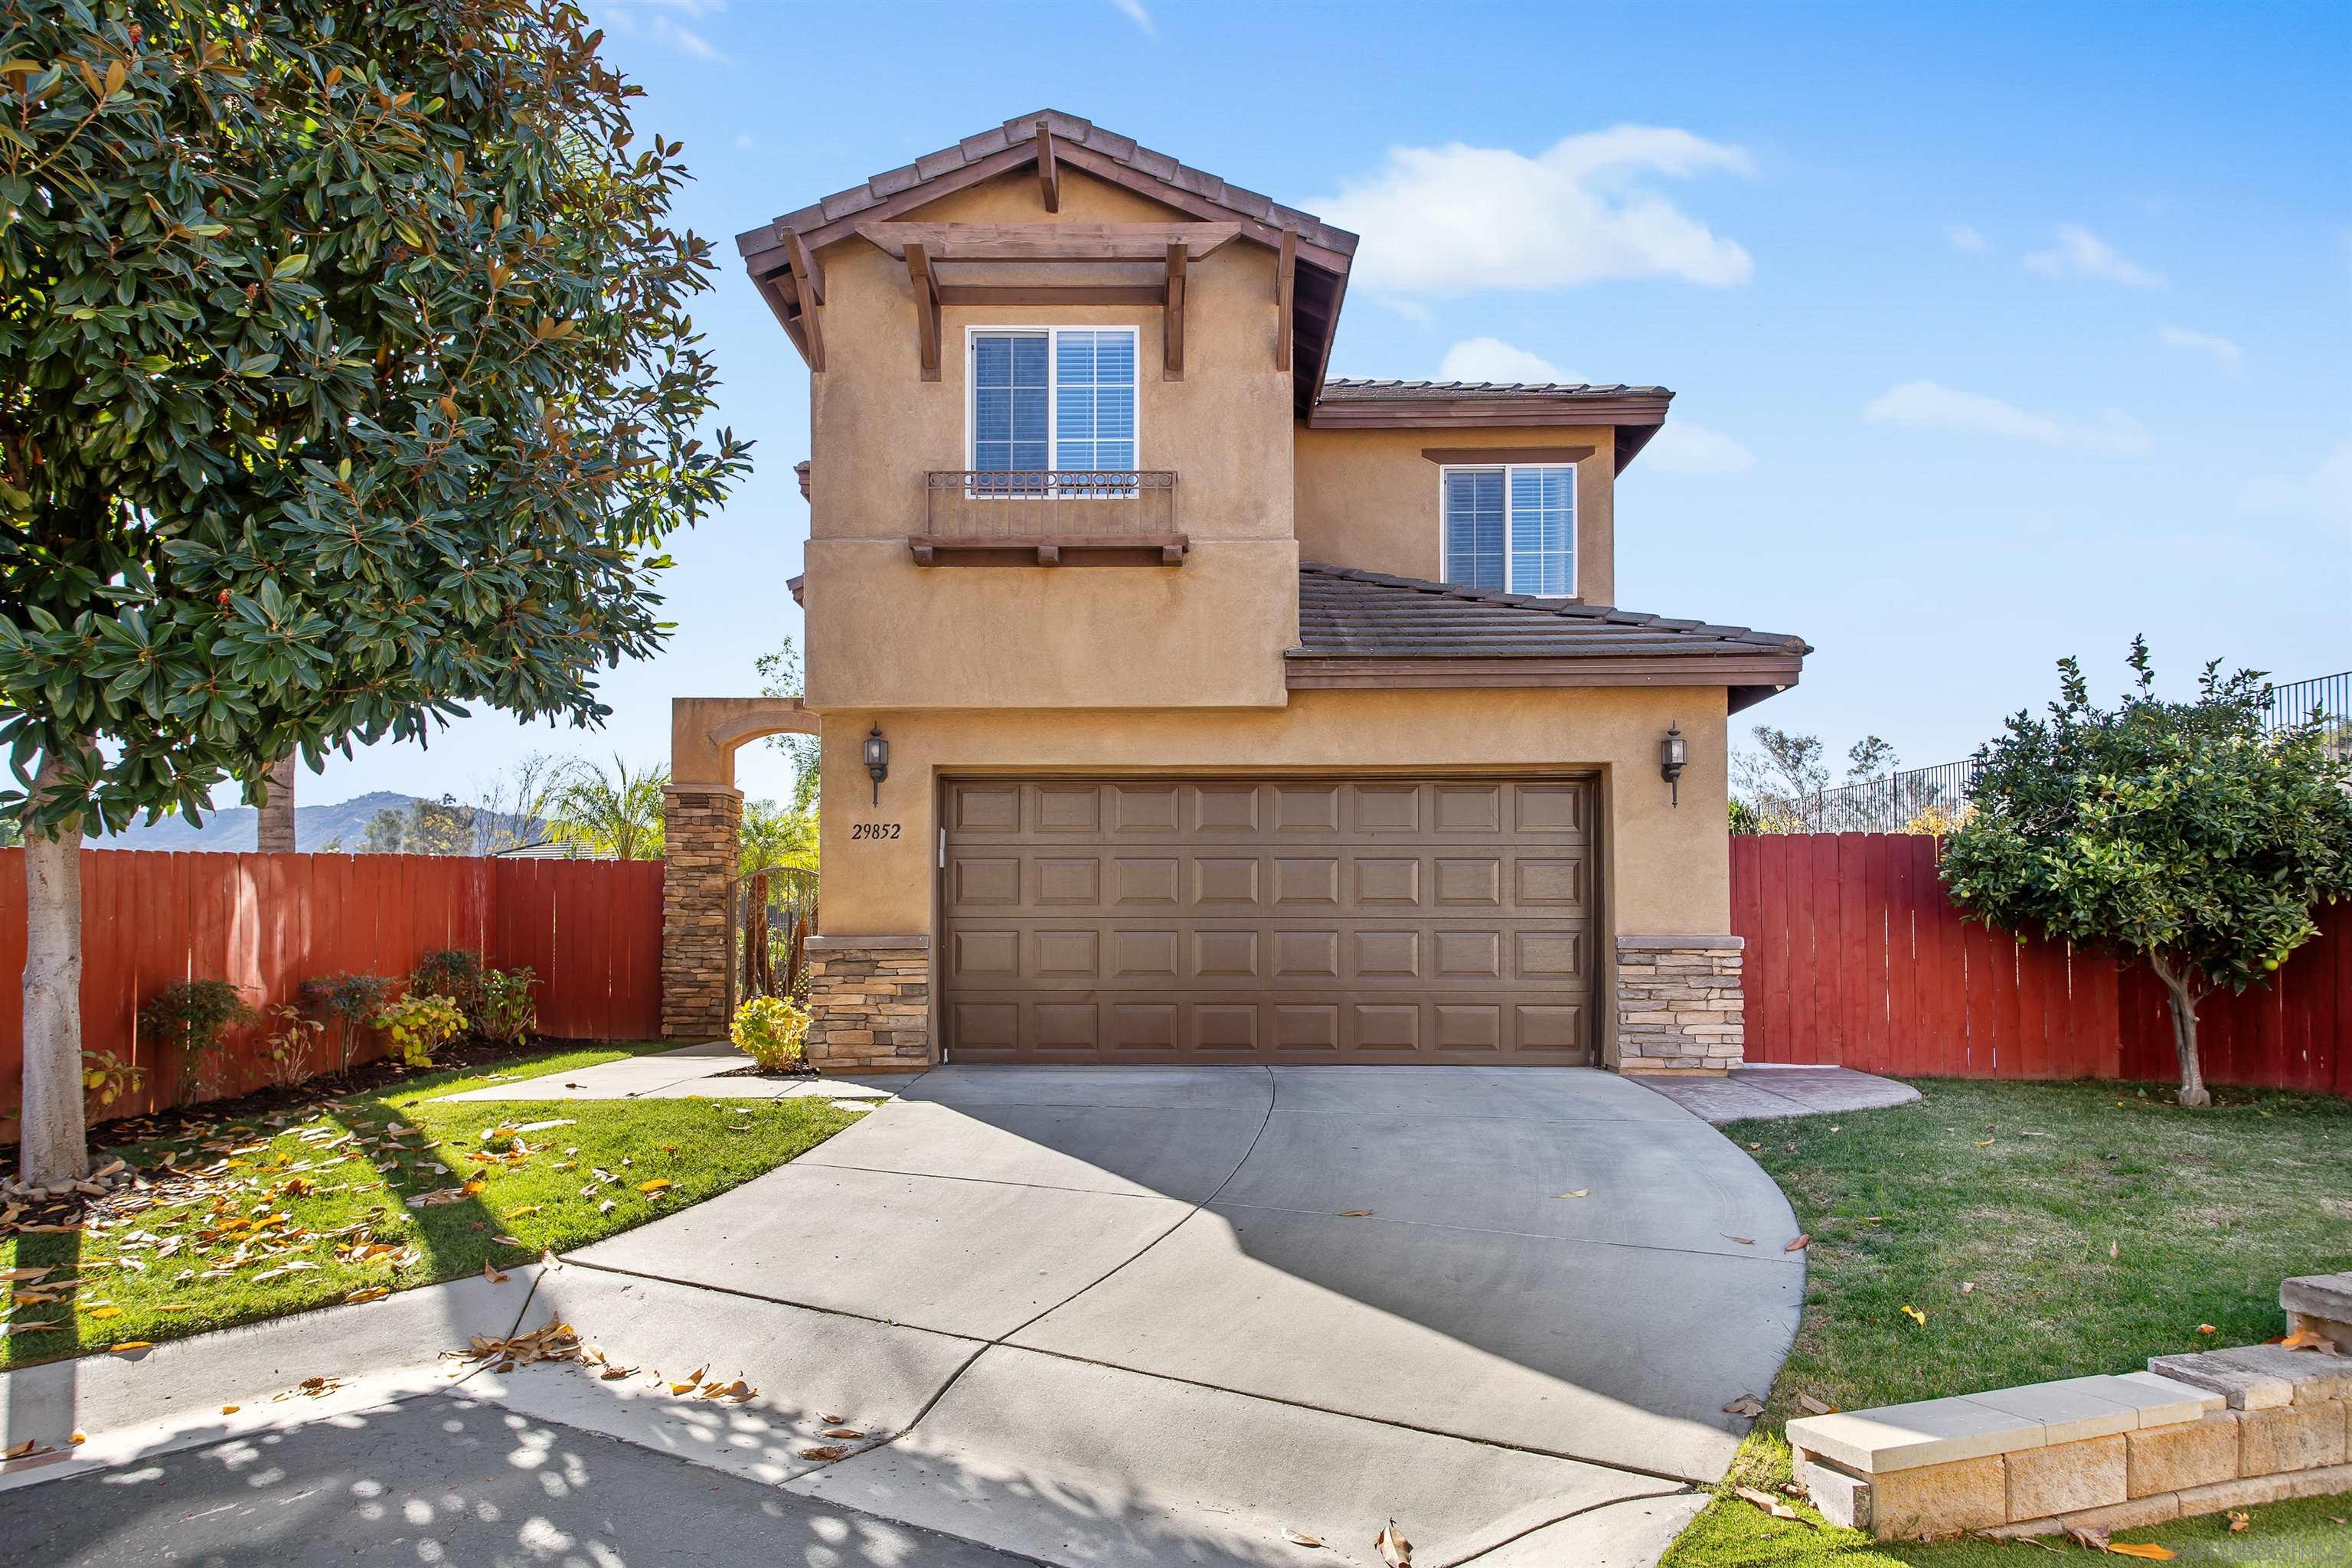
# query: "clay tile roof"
1120,150
1344,389
1346,614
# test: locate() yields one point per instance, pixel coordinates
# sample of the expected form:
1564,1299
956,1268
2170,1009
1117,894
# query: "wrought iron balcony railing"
1047,515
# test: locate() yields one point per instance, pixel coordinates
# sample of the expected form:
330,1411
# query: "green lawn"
2044,1231
310,1207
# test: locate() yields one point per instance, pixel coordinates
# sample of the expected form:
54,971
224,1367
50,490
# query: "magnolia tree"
345,380
2187,833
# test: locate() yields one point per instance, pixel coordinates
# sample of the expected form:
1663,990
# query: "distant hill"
231,831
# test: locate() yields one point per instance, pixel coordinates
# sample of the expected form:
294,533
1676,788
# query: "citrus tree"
2187,833
346,379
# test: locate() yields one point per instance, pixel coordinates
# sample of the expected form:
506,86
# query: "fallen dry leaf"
132,1347
30,1445
2113,1250
492,1275
1300,1538
17,1276
2148,1550
825,1452
231,1410
656,1186
367,1293
1355,1214
1767,1502
1580,1193
2239,1520
1814,1407
2207,1328
1746,1404
1394,1549
2307,1339
1743,1240
1800,1245
851,1433
1916,1315
1968,1287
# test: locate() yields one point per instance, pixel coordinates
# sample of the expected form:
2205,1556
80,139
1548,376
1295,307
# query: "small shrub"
508,1011
348,1001
419,1026
107,1077
289,1044
771,1031
452,972
188,1017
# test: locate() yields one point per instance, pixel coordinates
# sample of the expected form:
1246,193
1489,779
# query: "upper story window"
1053,397
1511,528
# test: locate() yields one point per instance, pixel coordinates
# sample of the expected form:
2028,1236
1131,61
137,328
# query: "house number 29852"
874,830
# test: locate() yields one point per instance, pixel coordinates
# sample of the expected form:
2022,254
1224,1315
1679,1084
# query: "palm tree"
619,812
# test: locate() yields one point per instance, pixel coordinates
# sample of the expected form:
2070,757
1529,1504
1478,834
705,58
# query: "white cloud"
657,20
1929,405
1492,359
1964,237
1682,447
2224,352
1134,12
1456,219
743,139
2079,253
2325,493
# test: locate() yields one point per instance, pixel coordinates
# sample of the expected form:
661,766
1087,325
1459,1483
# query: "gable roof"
1368,628
1324,252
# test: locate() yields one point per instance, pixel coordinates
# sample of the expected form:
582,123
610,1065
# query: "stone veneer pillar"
869,1003
700,828
1679,1007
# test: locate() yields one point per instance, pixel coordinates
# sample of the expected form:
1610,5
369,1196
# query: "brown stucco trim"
1481,454
1309,672
1447,413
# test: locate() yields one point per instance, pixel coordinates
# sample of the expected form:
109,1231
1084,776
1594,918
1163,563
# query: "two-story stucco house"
1232,712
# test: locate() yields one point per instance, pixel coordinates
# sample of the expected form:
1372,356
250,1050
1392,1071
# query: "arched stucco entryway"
702,816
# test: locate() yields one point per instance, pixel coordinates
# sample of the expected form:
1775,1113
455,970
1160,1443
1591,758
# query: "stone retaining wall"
2192,1435
869,1003
1679,1007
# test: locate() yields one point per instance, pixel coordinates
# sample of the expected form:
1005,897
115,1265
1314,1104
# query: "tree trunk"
276,824
55,1143
2184,1032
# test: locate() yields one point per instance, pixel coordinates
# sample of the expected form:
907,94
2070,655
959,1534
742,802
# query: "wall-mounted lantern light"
877,760
1673,753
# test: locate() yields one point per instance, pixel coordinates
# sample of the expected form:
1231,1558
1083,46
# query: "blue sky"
1997,332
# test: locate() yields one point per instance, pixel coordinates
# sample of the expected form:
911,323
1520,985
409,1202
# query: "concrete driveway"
1138,1313
1080,1315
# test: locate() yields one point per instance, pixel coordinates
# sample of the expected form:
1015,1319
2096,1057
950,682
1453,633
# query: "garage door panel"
1368,920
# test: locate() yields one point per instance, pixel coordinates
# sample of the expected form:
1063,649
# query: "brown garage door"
1155,920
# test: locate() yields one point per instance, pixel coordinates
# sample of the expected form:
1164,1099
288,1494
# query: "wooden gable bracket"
808,285
927,308
1049,171
1285,290
1173,329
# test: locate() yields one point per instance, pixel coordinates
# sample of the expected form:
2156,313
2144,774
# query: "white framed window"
1509,528
1054,398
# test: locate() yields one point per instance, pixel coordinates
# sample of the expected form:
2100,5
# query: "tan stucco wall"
1369,498
1210,631
1665,868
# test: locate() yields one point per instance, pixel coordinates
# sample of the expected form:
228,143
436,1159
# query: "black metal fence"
1933,800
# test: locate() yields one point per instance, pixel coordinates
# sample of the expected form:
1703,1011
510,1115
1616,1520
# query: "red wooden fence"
590,930
1856,957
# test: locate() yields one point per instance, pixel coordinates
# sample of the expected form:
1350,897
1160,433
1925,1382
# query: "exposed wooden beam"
804,265
927,310
805,290
1173,329
1285,290
1035,242
1049,172
1169,193
1051,294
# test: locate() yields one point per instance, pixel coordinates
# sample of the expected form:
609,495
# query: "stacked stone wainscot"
1679,1007
700,824
869,1003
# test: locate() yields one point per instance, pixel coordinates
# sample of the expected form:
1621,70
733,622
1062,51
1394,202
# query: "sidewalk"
695,1072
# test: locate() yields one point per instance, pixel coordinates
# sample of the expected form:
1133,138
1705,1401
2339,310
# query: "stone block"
2201,1453
2331,1482
2326,1296
2066,1478
2136,1514
1940,1500
2293,1437
2241,1386
1904,1437
2247,1492
2312,1376
1844,1499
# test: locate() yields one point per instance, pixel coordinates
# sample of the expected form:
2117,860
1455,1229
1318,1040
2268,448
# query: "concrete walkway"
697,1071
1764,1092
1175,1316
